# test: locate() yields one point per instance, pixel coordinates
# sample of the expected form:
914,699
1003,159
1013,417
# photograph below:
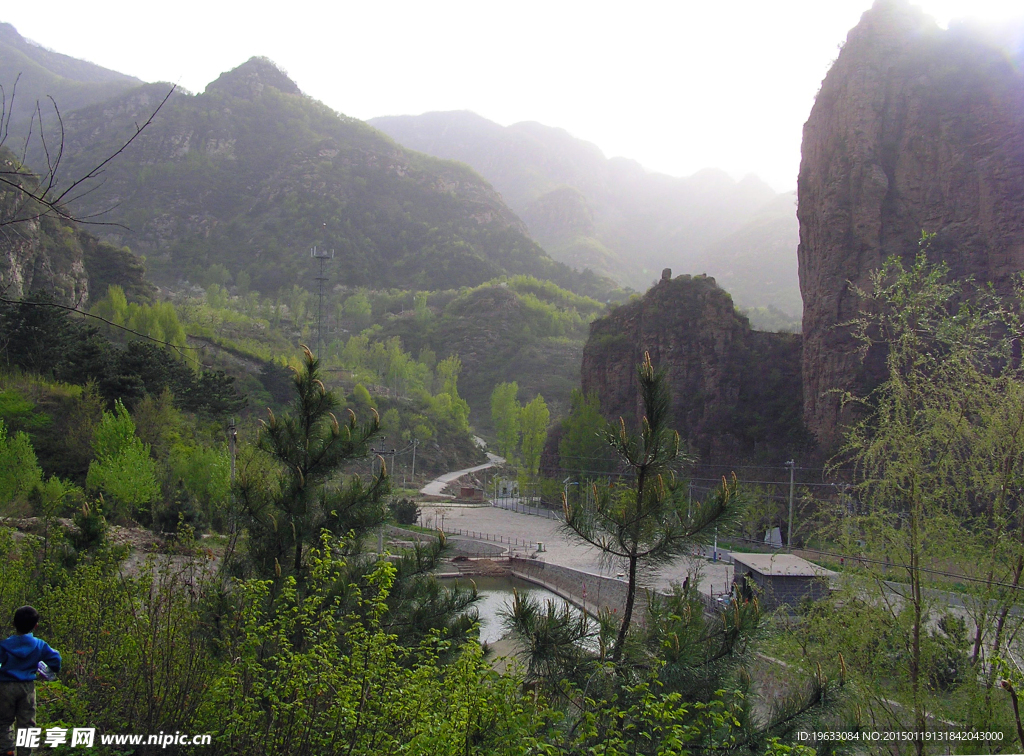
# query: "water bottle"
44,672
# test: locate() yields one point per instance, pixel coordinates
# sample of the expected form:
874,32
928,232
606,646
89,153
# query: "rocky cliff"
40,251
736,393
914,129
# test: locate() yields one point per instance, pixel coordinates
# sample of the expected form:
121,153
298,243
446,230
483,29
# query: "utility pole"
382,452
414,442
789,533
232,440
232,444
323,256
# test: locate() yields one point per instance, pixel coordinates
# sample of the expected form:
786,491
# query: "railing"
514,504
510,540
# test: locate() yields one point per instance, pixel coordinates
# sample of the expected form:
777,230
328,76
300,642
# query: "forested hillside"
251,174
31,73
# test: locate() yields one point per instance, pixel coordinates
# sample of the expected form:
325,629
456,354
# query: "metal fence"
520,505
510,540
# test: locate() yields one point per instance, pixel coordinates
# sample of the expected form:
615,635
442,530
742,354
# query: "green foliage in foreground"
19,471
269,667
301,683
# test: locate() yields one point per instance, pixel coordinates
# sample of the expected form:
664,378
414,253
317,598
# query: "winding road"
436,486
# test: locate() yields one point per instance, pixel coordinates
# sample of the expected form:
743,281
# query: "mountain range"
30,72
617,218
251,174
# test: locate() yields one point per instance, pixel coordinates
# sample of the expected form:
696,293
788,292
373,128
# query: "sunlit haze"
678,86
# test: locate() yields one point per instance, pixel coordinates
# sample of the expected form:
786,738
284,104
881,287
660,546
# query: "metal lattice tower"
323,256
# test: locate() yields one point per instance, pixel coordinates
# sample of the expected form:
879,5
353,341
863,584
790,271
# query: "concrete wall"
602,593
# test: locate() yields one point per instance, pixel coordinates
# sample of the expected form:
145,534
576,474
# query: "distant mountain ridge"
72,83
613,215
252,173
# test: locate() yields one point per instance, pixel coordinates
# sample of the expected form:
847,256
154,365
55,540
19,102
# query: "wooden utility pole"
789,533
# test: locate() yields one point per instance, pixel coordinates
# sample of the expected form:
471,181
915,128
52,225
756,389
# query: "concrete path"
436,486
560,547
563,549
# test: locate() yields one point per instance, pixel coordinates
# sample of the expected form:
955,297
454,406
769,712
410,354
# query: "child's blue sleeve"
51,657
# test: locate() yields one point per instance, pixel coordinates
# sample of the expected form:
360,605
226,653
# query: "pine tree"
684,652
648,520
303,495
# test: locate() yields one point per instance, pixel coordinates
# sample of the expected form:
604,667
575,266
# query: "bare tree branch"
39,195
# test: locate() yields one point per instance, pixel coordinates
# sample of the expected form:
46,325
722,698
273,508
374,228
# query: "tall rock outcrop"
915,129
735,392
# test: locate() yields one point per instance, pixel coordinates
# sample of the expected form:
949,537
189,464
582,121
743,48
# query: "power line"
928,570
176,347
724,465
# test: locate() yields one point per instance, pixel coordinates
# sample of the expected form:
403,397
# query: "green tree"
217,275
19,471
216,296
534,424
113,306
423,313
582,450
647,520
448,371
937,451
505,414
391,424
205,473
361,396
359,310
122,469
305,451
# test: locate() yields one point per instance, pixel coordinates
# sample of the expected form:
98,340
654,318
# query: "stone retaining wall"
593,593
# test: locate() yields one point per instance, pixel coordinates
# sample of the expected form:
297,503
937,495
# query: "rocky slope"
252,173
38,251
612,215
736,393
914,129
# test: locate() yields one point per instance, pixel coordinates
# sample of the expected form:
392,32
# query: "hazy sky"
678,86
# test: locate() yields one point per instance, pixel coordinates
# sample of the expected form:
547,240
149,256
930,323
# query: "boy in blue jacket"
19,658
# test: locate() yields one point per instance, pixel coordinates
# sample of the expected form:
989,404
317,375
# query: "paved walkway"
437,485
563,549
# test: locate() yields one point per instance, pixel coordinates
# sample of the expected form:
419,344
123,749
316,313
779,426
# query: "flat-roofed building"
778,579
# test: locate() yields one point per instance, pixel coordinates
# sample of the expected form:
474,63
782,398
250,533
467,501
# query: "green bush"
405,511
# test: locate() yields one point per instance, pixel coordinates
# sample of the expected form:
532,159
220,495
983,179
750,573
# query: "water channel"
496,594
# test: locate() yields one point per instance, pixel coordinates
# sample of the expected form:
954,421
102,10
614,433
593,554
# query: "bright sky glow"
678,86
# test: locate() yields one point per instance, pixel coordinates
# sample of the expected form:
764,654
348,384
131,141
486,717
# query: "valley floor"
563,549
